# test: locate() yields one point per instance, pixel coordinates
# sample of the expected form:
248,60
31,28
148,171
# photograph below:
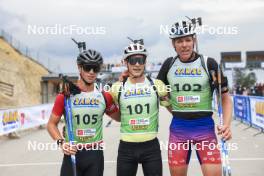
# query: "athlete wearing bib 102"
191,96
191,99
139,97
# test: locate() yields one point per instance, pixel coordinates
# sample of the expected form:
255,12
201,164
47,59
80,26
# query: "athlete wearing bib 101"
139,97
138,105
139,108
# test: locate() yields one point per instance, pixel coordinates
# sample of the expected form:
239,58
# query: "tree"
243,79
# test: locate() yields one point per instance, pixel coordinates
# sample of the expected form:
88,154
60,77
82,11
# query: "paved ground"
17,157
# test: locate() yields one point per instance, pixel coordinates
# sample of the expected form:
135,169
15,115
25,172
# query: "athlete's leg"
151,158
93,162
209,158
127,163
211,169
66,167
179,154
179,170
178,160
207,149
179,148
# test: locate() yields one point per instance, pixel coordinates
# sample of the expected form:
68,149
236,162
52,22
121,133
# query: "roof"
231,53
55,76
254,53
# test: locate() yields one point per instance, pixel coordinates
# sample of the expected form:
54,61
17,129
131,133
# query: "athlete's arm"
163,93
164,71
169,108
112,109
115,116
55,117
225,131
53,122
53,127
213,66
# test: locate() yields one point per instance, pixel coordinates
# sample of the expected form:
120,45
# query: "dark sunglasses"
88,68
135,60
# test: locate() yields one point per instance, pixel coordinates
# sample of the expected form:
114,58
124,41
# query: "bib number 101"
138,109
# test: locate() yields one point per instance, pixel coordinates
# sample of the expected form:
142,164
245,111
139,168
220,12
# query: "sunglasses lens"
88,68
135,60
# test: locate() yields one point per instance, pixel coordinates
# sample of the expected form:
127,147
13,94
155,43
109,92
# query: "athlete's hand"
225,132
68,149
123,75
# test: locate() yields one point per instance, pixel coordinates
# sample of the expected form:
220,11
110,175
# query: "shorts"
195,134
130,154
88,162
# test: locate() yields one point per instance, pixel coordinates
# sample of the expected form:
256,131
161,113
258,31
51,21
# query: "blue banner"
242,108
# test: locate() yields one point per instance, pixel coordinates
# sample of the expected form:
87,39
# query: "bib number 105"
86,119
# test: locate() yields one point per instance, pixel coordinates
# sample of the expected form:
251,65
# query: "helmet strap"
82,78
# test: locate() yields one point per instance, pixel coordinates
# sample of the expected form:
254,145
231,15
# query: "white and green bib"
139,108
190,87
87,112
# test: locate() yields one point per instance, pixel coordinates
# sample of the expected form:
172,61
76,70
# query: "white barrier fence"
12,120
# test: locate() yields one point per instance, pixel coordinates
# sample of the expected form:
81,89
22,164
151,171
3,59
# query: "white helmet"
137,47
182,29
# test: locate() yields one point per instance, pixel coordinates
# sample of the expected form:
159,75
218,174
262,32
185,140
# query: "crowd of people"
256,90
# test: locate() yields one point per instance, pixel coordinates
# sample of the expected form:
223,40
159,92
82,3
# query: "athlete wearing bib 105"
87,110
139,97
87,107
192,126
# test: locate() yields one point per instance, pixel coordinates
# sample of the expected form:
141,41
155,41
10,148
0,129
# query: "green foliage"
243,79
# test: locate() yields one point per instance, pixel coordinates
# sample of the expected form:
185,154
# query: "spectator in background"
262,89
239,90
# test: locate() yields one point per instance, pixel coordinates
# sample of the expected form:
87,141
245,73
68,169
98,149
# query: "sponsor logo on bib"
85,132
188,72
139,124
141,121
188,99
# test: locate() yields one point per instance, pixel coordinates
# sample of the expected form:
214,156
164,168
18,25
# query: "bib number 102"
188,87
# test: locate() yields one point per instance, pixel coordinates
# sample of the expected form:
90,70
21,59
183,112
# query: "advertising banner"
257,111
23,118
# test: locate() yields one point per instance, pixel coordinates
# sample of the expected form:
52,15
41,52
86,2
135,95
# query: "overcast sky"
112,21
